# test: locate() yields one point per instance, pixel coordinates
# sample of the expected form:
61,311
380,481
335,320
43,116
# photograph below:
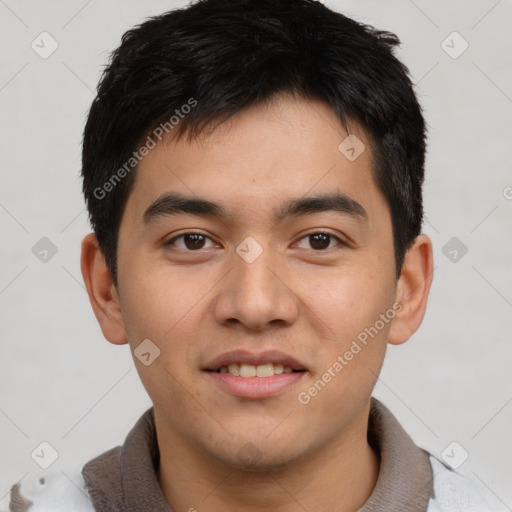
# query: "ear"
412,290
102,293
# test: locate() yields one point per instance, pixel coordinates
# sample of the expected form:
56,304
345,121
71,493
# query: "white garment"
54,491
65,492
456,493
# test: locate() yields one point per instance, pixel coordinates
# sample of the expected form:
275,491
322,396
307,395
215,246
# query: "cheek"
165,310
354,340
346,302
169,308
157,303
351,352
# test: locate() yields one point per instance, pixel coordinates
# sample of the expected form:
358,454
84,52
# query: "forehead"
289,148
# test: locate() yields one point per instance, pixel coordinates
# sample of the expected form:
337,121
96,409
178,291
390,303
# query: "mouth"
245,363
254,375
251,370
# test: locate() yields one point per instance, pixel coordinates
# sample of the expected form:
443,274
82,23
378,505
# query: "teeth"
249,370
265,370
233,369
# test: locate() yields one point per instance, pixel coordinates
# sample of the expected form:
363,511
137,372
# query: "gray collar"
405,480
125,478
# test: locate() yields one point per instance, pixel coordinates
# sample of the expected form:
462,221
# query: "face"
264,275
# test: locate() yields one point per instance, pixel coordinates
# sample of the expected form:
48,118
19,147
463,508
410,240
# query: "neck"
339,477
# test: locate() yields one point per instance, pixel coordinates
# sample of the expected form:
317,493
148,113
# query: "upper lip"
253,358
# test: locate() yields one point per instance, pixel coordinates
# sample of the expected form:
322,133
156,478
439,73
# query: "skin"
307,302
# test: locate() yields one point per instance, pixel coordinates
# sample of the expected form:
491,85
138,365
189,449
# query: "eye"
189,241
321,241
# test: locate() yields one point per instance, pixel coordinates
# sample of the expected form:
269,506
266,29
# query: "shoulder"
454,492
53,491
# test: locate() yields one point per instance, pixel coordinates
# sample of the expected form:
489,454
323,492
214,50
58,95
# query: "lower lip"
255,387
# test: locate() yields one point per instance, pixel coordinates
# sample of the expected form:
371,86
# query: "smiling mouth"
250,370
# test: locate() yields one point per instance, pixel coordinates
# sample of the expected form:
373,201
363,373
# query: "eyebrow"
175,204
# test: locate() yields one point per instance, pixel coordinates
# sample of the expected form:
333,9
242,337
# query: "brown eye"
194,241
189,241
321,241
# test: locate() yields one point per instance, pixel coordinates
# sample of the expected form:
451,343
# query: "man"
253,174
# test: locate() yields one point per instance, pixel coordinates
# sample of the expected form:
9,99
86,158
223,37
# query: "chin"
259,453
252,460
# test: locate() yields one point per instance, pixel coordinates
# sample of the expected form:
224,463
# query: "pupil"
196,241
319,241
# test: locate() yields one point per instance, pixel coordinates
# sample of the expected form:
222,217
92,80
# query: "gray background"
61,382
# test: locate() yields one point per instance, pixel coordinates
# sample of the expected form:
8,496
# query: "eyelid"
170,242
340,241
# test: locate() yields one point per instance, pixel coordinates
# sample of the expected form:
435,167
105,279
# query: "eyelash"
320,232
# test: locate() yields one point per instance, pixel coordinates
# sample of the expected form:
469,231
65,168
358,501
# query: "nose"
257,294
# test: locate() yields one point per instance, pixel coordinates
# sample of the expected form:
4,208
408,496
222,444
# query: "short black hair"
215,58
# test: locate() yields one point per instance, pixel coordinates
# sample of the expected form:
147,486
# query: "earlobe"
101,290
412,290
